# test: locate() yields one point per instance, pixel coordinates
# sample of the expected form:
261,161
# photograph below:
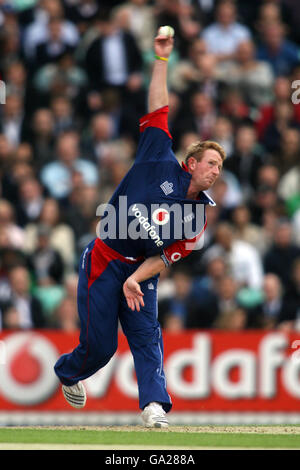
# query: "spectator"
235,320
186,139
288,153
234,106
165,292
223,133
57,176
55,46
175,317
65,318
100,137
186,71
6,152
268,175
283,119
281,94
47,263
24,154
224,36
289,318
88,236
269,224
103,146
24,310
246,159
63,114
196,74
226,192
204,10
253,78
175,109
293,18
187,309
267,314
10,43
269,12
31,200
227,289
15,235
202,117
38,31
280,53
266,200
8,186
41,136
81,214
230,315
82,13
18,172
124,117
70,285
243,259
137,17
215,270
13,124
64,77
296,227
206,293
179,15
114,60
208,81
213,216
246,231
61,236
16,79
280,257
289,184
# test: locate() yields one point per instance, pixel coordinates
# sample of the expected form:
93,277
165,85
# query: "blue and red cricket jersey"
155,182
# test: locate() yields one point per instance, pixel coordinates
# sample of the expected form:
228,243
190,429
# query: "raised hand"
163,45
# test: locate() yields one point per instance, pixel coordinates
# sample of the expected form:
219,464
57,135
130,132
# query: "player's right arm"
155,139
158,91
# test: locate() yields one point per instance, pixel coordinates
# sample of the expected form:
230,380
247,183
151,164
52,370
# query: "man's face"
206,171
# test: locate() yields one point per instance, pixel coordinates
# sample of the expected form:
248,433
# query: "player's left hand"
133,294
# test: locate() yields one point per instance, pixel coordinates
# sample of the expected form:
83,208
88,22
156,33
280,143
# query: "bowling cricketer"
155,217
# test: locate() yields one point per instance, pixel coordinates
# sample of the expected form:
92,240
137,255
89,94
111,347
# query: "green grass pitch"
148,438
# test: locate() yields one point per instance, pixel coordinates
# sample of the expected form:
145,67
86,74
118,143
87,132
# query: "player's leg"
98,311
144,337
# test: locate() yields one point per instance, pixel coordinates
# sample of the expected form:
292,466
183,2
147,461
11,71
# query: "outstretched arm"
158,91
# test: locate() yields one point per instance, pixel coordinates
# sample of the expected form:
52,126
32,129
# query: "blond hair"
197,149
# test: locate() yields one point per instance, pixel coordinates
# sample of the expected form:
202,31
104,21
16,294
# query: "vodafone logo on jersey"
161,216
27,376
175,257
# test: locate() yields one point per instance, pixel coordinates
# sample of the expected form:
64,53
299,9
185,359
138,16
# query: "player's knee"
102,353
146,337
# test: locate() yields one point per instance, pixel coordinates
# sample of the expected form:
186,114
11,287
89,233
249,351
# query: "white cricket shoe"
75,395
154,416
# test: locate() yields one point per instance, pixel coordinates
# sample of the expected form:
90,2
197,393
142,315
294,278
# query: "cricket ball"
166,31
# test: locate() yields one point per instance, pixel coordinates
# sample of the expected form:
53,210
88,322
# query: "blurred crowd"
76,74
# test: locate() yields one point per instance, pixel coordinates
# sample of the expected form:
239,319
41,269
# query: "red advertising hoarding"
213,371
